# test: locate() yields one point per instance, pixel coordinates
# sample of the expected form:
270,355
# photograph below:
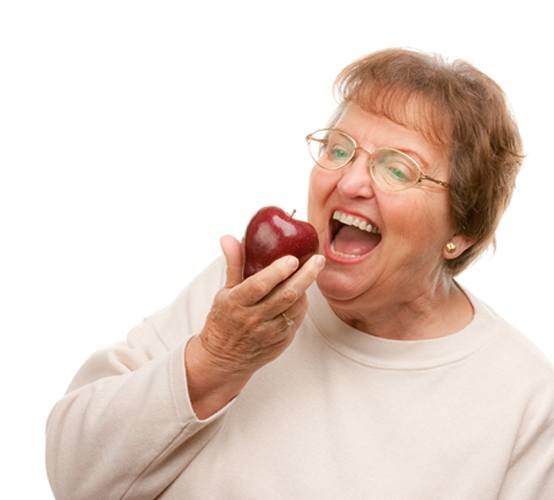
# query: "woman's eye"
398,173
339,153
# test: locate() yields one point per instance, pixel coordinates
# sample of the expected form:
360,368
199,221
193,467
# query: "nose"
356,180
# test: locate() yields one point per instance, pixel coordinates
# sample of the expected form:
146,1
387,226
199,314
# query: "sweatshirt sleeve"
530,475
126,428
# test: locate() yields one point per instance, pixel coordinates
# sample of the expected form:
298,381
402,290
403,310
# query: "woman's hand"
251,322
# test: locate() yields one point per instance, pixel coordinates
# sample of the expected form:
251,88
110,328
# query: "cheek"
420,222
322,184
436,219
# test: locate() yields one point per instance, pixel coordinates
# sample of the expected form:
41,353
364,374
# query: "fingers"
294,315
289,291
245,327
257,286
233,256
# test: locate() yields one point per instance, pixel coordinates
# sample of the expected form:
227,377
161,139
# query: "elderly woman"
368,372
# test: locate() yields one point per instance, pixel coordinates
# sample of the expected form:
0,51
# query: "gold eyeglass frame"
421,175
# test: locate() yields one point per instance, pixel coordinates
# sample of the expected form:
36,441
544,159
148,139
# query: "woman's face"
414,224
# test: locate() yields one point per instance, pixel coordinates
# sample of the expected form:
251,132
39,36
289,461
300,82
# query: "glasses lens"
330,148
393,170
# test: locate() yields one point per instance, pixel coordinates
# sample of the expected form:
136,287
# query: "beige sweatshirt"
340,415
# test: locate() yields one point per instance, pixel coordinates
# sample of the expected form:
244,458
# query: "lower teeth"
342,254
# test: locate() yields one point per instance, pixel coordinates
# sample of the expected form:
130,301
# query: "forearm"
126,428
127,435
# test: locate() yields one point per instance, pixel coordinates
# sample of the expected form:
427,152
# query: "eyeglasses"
391,169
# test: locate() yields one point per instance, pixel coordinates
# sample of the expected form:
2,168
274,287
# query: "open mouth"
352,237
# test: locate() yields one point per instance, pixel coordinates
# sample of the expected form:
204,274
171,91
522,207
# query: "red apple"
272,233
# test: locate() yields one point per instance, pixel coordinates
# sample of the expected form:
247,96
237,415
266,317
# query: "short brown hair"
457,107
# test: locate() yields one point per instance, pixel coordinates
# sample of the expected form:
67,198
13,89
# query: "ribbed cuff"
180,392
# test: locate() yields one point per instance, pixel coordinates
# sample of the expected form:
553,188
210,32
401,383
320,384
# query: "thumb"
232,250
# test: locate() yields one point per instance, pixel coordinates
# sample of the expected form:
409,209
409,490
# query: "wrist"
210,385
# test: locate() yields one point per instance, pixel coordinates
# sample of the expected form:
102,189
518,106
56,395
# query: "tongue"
354,241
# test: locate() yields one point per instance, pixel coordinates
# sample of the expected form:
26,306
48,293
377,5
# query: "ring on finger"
289,321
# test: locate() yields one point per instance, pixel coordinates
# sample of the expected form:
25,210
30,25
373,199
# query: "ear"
461,244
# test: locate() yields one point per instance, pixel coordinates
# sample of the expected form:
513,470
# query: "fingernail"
319,261
292,261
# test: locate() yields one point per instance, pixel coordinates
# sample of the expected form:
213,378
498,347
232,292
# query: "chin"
339,286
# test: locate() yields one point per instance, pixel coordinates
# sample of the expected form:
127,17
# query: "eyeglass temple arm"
310,137
436,181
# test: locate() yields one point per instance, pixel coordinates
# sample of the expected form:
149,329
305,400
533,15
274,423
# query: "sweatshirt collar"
385,353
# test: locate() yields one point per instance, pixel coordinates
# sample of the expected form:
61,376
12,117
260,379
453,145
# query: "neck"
429,312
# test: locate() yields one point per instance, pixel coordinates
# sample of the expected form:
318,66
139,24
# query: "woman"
384,379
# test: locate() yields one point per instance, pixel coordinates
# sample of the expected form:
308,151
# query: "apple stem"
293,212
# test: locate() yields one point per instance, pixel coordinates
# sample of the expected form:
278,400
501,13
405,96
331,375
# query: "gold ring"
289,321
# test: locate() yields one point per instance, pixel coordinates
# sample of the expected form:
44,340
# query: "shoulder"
510,339
512,354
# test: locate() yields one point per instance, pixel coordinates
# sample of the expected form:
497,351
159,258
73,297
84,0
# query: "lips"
351,237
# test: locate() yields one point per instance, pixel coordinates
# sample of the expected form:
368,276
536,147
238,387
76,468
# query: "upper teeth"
352,220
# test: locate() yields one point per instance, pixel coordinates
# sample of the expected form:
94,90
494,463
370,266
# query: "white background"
134,134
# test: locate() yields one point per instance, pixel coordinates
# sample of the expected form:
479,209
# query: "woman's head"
457,108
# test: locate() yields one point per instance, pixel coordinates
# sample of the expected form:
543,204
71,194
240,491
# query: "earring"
450,247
